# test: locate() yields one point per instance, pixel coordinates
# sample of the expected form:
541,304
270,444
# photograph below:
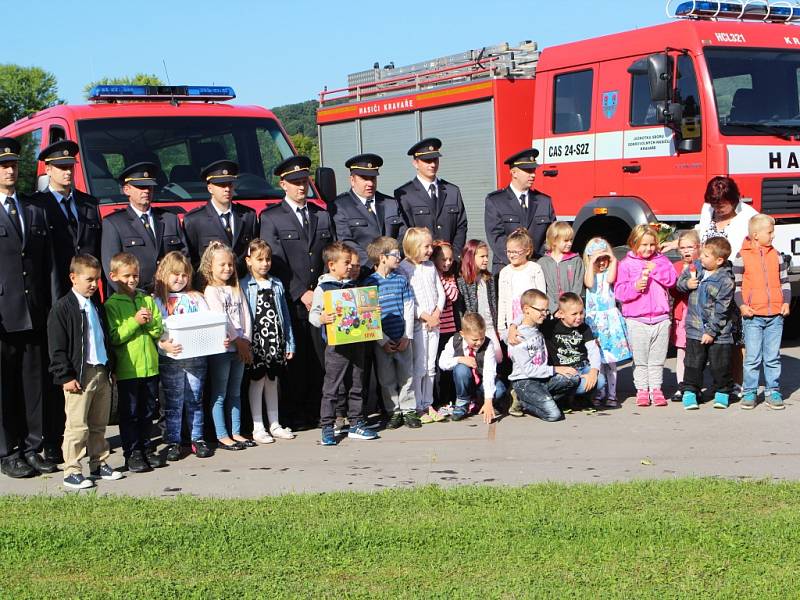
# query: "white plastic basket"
200,333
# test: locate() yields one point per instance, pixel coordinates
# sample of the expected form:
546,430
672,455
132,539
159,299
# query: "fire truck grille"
780,196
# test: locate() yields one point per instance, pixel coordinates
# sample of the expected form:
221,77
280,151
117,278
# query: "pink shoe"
658,397
642,398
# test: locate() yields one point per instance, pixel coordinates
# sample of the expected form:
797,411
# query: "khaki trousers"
87,416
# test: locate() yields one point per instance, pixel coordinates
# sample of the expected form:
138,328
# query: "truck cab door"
567,150
669,181
611,115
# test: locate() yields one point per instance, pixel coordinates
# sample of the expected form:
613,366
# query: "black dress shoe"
137,463
53,455
174,452
40,464
17,468
156,460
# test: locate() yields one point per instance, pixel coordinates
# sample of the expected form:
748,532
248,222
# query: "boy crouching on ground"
470,355
79,362
536,385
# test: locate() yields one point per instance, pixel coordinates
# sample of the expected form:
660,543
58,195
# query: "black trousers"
718,357
344,365
299,400
137,407
22,380
444,390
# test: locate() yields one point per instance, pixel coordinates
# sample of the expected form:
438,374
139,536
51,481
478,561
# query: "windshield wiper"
776,130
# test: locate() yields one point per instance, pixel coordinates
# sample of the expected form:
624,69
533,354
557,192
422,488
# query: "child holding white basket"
181,378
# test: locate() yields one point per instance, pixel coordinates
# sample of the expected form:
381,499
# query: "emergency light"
781,11
111,93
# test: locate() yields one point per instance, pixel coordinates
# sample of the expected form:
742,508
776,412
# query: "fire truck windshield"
181,147
756,90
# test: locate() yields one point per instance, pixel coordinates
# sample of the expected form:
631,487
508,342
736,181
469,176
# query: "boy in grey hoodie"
535,383
345,364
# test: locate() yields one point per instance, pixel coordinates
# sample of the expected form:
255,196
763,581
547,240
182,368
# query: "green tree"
24,91
307,146
299,118
138,79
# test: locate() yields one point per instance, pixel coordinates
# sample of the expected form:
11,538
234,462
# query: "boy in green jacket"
134,327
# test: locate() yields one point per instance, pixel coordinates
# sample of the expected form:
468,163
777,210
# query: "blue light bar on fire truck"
154,93
781,11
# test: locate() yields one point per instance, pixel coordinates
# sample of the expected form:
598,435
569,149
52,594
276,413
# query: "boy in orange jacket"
762,295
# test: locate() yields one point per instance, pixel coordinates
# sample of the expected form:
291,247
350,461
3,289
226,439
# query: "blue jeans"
762,341
601,380
225,372
538,396
466,389
182,383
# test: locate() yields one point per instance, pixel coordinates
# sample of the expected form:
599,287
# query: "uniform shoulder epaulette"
195,210
499,192
243,208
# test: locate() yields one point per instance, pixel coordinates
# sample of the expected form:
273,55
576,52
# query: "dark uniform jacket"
447,220
503,214
357,228
296,258
123,231
68,243
25,271
203,225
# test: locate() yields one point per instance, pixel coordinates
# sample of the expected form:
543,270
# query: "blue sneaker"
721,400
774,400
328,437
748,401
689,400
76,481
360,432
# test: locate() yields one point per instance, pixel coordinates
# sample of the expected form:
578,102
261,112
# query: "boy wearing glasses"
536,384
393,356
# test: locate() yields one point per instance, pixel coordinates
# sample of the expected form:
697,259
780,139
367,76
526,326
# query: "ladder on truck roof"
501,60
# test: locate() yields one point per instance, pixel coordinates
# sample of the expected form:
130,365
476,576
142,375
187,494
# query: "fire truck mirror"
325,180
659,74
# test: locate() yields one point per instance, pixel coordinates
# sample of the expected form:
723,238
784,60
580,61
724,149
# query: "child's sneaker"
721,400
174,452
642,398
689,400
612,402
460,413
774,400
106,472
748,401
262,437
677,396
515,410
277,431
328,438
658,397
340,426
436,416
76,481
395,421
425,418
360,432
411,420
200,449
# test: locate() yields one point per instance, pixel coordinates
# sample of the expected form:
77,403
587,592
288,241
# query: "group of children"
455,338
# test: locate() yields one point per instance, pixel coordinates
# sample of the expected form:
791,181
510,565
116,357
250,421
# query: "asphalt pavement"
596,447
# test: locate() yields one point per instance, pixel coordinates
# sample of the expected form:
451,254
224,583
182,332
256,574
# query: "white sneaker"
282,433
262,437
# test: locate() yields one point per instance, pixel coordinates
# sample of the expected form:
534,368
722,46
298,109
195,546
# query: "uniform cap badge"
369,165
146,174
224,171
6,149
65,153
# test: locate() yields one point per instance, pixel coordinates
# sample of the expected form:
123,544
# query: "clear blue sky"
279,53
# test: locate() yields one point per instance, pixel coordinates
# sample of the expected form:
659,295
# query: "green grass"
689,539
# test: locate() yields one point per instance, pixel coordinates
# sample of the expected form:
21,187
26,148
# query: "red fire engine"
630,127
180,128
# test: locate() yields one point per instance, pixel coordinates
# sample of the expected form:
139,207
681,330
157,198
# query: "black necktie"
73,222
304,217
13,214
371,212
523,202
434,195
146,222
226,223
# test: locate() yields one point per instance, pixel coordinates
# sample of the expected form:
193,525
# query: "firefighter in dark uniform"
515,206
298,232
24,303
428,201
73,221
140,229
220,219
363,213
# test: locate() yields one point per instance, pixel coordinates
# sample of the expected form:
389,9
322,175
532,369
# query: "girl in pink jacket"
644,277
